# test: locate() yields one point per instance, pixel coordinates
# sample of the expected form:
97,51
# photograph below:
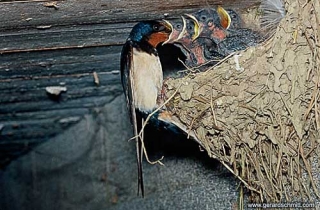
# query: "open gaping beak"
171,38
184,29
197,28
181,34
225,18
169,27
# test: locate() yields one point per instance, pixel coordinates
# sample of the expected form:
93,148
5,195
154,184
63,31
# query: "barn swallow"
214,23
178,32
222,32
238,39
185,39
188,41
141,76
235,19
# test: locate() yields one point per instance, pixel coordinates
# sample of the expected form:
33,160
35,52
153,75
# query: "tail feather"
139,164
137,126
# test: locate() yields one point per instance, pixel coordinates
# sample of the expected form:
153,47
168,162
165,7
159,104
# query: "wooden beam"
43,46
32,14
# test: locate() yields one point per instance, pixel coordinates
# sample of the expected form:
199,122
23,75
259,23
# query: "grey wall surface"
83,159
91,165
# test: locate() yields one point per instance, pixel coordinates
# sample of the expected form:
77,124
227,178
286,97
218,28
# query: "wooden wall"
61,43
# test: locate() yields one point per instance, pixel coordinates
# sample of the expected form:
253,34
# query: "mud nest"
257,112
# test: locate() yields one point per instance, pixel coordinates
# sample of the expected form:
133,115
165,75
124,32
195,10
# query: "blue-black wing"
126,66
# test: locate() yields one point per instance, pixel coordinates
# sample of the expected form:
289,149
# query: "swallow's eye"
158,27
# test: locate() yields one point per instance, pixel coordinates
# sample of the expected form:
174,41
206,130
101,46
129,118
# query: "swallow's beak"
168,26
171,38
169,29
184,29
197,28
225,18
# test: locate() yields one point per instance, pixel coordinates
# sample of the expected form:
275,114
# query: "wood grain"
43,46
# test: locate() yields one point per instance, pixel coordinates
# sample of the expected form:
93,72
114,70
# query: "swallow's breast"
147,80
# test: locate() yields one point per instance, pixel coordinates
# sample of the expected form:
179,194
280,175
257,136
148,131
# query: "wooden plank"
42,46
30,25
78,36
33,14
28,116
38,64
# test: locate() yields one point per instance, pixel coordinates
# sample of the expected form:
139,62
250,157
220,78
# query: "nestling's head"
151,32
236,21
185,31
211,18
178,30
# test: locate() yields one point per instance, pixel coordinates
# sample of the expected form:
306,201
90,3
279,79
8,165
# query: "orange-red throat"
158,37
161,36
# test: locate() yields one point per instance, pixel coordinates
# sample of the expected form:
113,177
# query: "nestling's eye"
203,17
178,26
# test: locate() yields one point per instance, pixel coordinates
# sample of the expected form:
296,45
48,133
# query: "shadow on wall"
164,143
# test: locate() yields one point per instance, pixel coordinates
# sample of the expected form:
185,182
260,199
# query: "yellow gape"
225,19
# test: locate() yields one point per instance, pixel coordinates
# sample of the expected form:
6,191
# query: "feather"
136,120
272,13
141,77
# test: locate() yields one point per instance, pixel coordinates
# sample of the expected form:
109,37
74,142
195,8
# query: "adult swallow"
141,76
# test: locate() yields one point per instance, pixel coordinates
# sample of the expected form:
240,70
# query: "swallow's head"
178,30
193,27
236,21
211,18
214,23
208,18
151,32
